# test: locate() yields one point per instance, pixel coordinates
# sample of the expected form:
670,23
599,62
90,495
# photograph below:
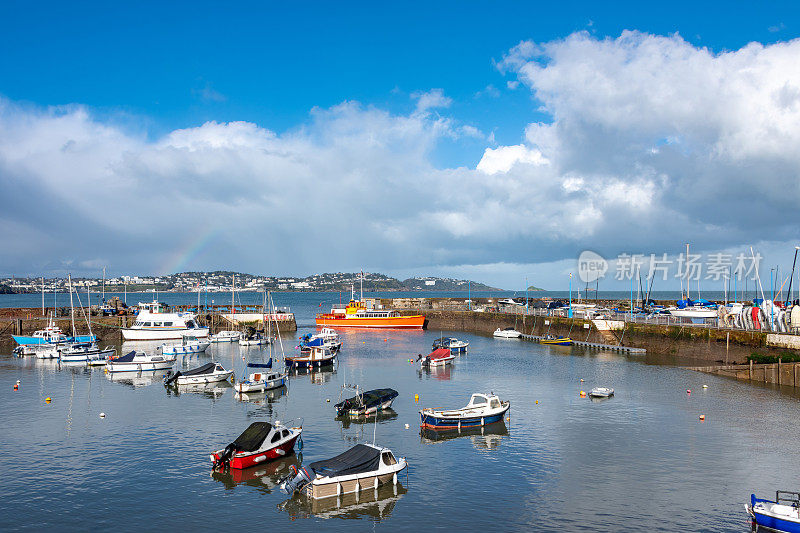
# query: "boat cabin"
482,400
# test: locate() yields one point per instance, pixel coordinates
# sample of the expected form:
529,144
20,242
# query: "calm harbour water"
641,461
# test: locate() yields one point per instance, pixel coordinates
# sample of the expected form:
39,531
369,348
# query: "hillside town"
221,281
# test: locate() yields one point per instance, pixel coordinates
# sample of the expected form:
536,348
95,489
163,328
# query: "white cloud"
503,158
432,99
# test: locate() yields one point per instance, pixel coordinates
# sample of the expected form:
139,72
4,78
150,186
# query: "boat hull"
139,367
260,386
431,421
130,334
392,322
302,362
204,378
240,461
776,524
23,339
556,342
182,350
95,358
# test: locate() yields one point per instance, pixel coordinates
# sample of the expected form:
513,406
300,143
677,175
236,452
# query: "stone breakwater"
672,343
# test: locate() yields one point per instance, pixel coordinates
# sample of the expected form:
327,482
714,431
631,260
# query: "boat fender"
300,443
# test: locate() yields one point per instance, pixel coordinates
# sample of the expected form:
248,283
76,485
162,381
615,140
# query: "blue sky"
147,70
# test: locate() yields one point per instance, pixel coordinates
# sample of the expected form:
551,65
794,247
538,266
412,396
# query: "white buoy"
102,415
407,426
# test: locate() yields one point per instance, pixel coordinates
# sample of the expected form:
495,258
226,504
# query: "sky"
490,141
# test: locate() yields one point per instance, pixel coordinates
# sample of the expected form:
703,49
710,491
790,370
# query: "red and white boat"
260,442
439,357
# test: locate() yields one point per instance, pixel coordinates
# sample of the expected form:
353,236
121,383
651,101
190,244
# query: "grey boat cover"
252,437
205,369
370,398
359,458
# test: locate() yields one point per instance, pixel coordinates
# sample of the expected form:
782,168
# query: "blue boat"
451,343
781,514
481,410
50,335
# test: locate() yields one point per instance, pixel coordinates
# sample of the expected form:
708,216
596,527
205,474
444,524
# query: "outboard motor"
170,378
297,479
226,454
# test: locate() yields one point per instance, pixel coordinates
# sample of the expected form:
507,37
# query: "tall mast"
362,285
686,267
104,285
43,295
71,306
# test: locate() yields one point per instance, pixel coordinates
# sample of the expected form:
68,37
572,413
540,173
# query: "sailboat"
83,352
260,376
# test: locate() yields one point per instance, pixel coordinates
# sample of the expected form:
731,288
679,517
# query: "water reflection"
375,504
488,437
263,397
138,379
265,478
385,415
441,373
317,376
210,390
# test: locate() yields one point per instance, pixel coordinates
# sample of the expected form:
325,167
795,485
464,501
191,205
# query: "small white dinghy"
507,333
601,392
208,373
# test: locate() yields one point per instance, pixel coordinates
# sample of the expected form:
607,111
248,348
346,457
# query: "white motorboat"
507,333
154,324
363,467
188,345
139,362
601,392
208,373
85,352
225,336
451,343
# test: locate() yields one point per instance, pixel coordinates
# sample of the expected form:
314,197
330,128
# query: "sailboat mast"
42,295
104,285
686,267
71,306
362,285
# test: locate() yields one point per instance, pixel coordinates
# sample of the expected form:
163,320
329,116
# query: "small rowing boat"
482,409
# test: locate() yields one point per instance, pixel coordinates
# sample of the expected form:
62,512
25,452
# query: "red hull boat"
260,442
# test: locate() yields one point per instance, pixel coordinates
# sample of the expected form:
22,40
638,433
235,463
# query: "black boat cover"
252,437
359,458
260,365
127,358
369,398
205,369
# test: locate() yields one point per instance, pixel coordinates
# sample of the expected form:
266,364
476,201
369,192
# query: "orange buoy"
47,400
583,394
537,402
16,387
416,398
702,418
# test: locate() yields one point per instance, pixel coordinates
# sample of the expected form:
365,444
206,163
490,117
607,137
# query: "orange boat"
356,315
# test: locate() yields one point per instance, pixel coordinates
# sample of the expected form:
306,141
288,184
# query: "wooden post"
750,372
727,346
779,371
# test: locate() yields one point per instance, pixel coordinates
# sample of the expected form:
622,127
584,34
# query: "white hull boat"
601,392
363,467
188,345
153,324
440,357
481,410
257,382
88,353
208,373
140,362
508,333
224,336
688,312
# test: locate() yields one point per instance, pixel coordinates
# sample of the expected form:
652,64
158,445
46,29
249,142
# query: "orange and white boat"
356,315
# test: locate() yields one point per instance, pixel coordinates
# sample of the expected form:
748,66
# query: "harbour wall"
674,343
